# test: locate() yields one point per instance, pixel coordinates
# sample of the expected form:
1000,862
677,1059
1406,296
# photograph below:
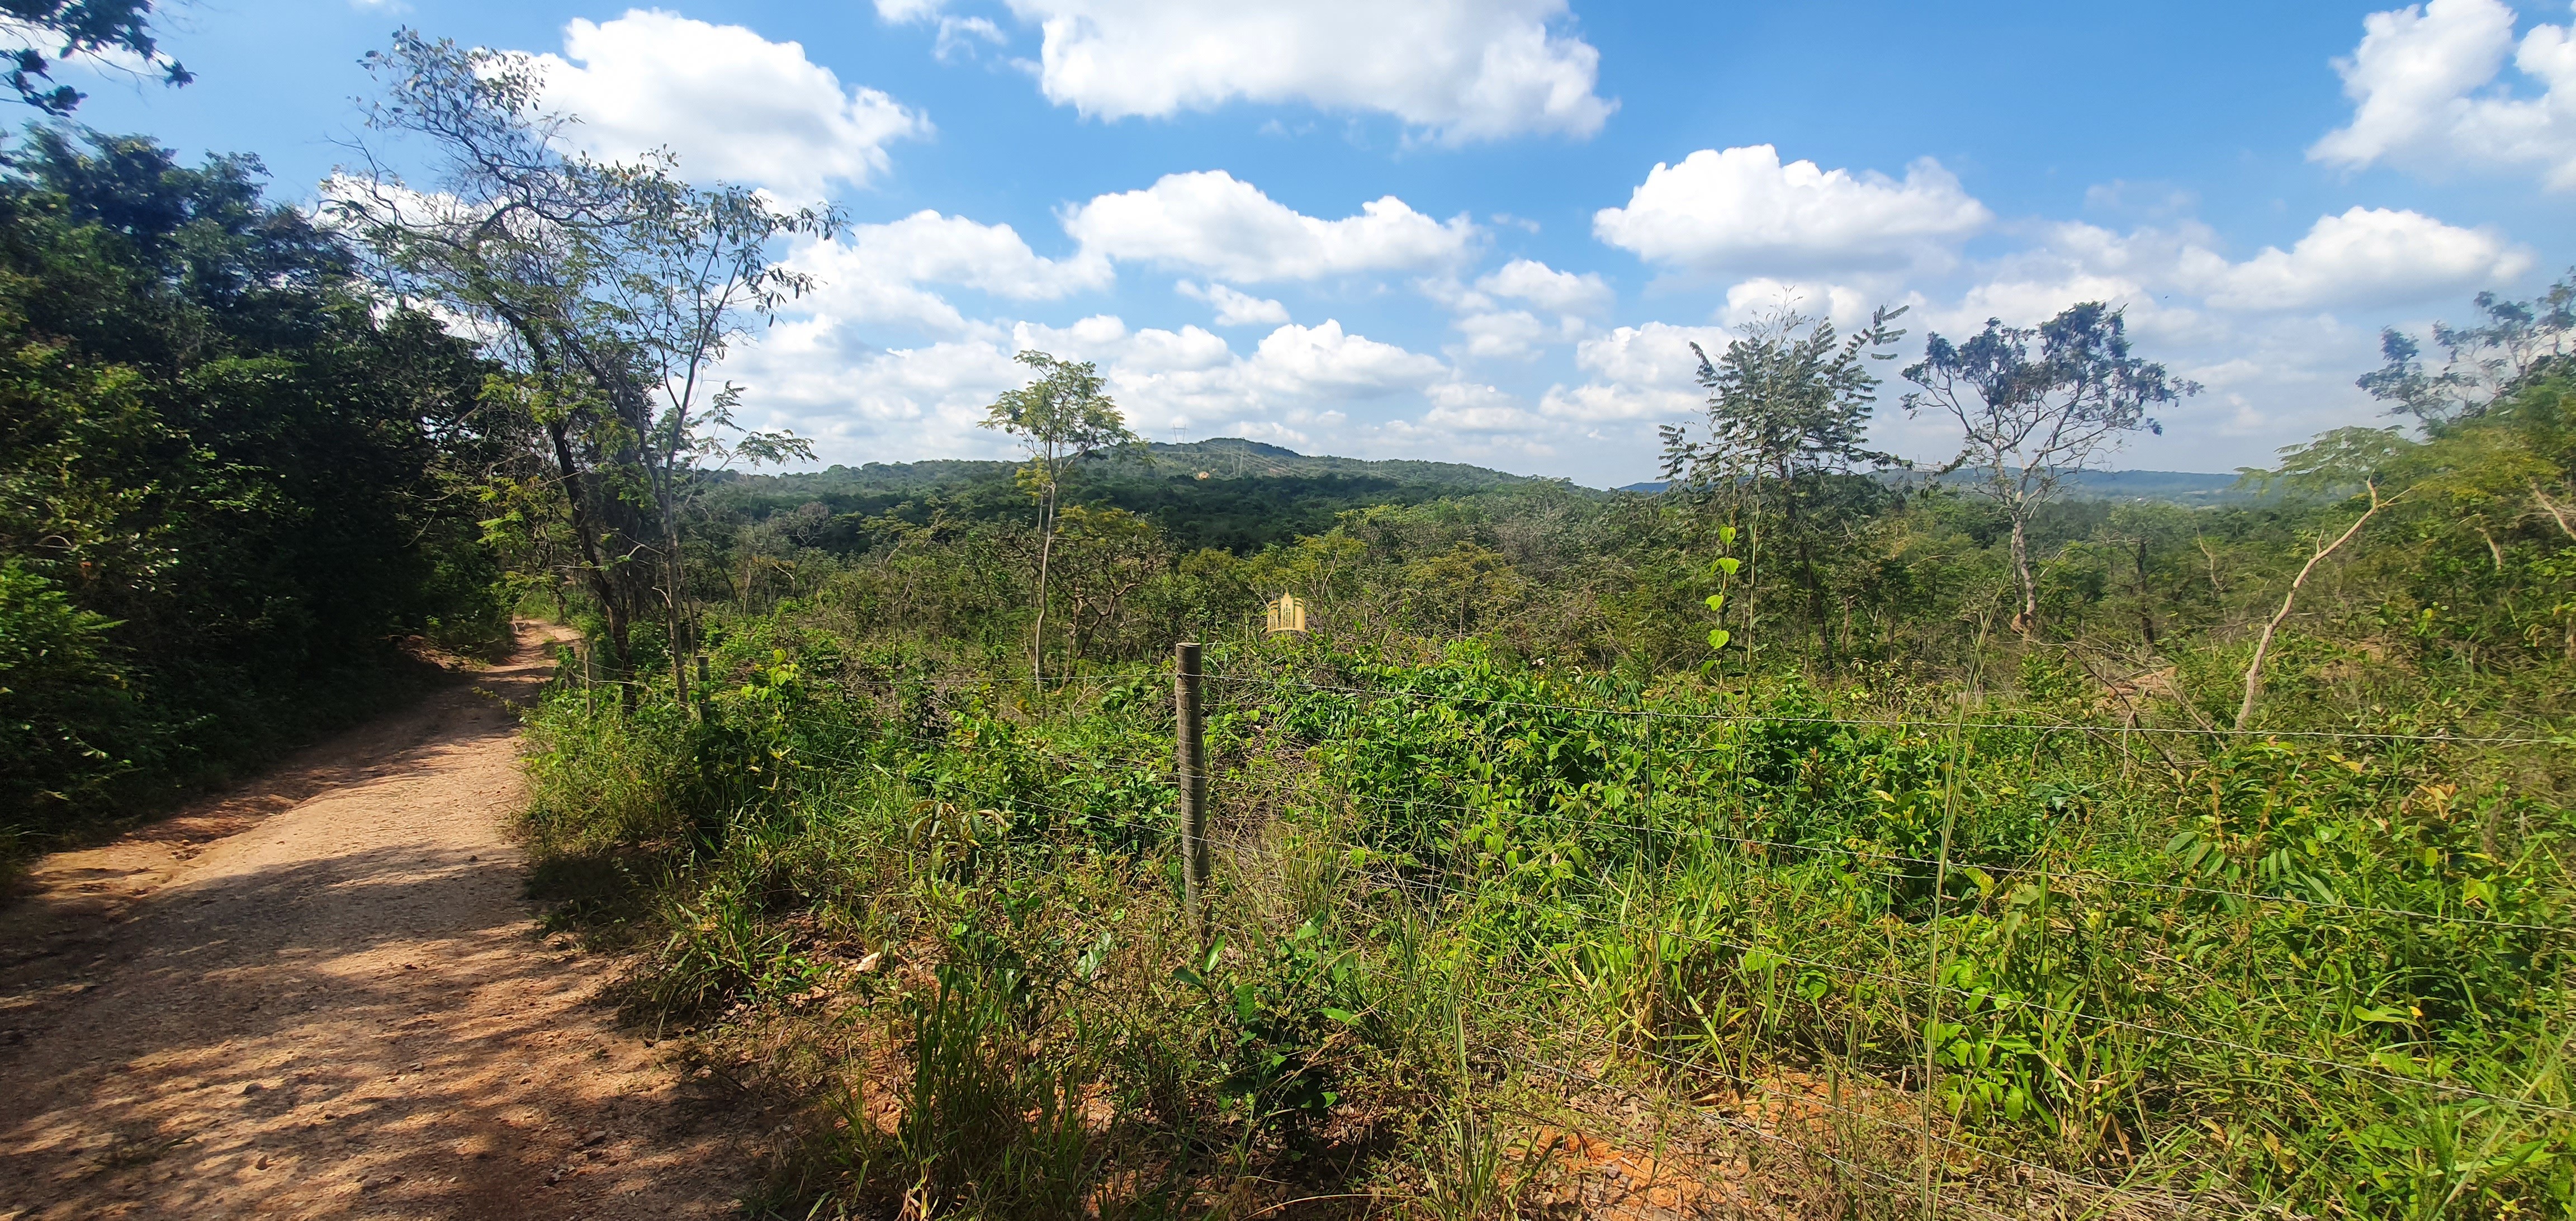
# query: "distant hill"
1239,495
1227,492
2172,487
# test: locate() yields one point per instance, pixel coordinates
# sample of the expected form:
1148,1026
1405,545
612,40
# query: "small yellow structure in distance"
1288,614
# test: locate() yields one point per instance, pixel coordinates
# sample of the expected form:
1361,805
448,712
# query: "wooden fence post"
1189,763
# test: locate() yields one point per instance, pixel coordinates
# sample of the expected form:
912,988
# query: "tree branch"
2263,645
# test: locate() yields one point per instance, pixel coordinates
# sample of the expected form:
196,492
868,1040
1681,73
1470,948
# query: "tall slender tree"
2037,406
1061,417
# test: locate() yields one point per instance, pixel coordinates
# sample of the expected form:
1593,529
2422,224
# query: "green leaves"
1061,415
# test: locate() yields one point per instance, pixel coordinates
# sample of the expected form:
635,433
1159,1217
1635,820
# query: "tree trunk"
679,642
2263,645
1046,546
584,532
2146,605
2027,622
683,640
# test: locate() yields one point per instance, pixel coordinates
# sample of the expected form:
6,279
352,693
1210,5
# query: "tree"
97,28
223,476
1110,554
2032,420
609,291
1061,418
2481,362
1788,411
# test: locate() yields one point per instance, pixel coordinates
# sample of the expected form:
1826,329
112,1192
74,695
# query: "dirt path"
325,996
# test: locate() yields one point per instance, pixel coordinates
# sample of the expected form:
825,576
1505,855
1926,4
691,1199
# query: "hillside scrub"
1867,905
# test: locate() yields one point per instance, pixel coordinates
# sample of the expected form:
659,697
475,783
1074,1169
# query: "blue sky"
1485,230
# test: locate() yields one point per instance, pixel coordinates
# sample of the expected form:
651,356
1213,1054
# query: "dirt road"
325,996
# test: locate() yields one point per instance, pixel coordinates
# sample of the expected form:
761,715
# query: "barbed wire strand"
1158,770
2068,876
1770,718
2003,1003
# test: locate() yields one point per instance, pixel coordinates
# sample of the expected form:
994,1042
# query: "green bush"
68,722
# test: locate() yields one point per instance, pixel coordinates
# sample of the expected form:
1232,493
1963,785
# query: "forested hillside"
1227,493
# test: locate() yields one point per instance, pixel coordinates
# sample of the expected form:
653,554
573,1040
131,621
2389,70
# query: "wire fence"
1688,817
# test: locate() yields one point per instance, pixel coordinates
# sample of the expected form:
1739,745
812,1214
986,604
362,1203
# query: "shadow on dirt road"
325,995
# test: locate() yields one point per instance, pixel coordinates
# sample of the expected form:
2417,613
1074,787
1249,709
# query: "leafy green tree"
2480,362
96,28
1109,555
2037,406
225,474
1061,417
1788,413
609,291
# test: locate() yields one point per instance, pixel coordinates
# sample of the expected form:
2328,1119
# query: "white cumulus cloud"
1742,209
2365,257
1453,71
1213,222
927,246
1638,373
874,274
1846,306
2361,259
1549,289
1325,361
926,398
861,403
1475,408
732,104
1235,307
1297,377
2031,295
1507,334
2426,96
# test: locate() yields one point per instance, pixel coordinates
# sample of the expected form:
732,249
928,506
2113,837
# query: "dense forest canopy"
1227,493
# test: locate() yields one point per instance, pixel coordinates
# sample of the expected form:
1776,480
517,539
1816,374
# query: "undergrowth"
1480,931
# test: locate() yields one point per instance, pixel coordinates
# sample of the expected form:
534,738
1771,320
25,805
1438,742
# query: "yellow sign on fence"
1288,614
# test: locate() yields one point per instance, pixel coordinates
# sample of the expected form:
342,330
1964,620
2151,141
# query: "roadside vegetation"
230,486
1772,843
